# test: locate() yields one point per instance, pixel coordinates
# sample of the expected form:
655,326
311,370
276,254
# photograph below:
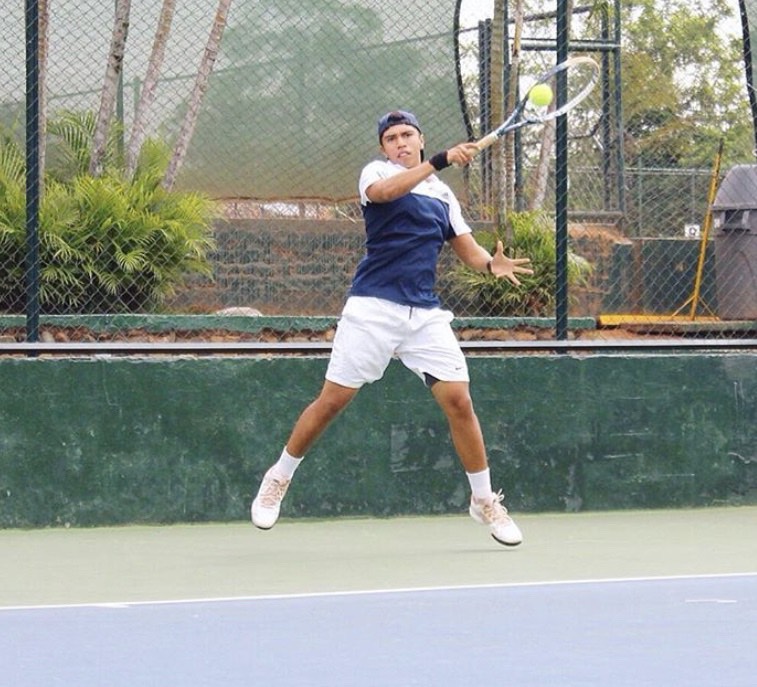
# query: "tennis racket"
580,75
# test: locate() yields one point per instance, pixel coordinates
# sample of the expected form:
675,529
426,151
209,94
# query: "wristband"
439,161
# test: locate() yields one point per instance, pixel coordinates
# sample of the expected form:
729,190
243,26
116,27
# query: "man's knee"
454,398
334,398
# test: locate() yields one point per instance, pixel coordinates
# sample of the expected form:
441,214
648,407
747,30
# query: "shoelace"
495,511
274,491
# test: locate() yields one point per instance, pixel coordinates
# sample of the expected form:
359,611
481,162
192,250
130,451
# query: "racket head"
578,74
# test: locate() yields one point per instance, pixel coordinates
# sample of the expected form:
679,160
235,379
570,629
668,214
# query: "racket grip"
480,145
486,141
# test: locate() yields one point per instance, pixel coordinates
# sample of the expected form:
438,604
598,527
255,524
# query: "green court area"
212,561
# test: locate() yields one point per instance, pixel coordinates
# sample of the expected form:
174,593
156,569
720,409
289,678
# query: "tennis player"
392,310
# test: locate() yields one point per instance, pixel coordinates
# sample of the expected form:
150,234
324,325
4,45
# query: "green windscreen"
292,112
296,87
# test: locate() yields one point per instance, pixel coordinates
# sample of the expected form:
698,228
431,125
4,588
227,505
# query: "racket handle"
486,141
483,143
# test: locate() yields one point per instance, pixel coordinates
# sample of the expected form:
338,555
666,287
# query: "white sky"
471,11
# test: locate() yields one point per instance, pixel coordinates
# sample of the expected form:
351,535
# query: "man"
392,310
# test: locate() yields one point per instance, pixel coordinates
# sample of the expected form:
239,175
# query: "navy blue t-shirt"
404,238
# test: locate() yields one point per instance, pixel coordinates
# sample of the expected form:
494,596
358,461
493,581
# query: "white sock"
480,484
287,464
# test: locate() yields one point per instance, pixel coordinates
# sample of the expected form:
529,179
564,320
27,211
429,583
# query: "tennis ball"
540,95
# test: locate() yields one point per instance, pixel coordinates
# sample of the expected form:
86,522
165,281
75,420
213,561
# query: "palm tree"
147,94
110,85
198,93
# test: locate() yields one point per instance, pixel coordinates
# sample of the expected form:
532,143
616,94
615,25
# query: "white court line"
374,592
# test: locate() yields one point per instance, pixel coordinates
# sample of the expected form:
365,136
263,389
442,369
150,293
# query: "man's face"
402,144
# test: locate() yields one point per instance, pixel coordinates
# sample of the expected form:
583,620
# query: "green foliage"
12,220
533,237
683,84
107,244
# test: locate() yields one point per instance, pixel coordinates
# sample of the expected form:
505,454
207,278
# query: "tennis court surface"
618,598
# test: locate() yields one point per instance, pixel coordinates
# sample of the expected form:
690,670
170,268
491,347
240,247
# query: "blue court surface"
677,631
527,625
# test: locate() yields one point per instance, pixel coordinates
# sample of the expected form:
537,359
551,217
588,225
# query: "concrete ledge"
113,324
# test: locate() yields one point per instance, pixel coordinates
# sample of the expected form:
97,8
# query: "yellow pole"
706,230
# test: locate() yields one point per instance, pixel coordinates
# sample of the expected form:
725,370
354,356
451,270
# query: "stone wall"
304,267
269,265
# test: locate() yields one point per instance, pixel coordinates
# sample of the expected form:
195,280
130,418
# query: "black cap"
397,117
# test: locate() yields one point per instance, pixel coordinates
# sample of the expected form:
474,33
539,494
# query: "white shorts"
372,331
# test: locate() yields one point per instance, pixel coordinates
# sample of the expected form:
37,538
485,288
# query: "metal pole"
561,182
706,225
32,170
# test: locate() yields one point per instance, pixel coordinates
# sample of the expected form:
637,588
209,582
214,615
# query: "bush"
533,237
107,244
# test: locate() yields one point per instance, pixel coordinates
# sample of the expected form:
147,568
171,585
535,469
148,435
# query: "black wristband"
439,161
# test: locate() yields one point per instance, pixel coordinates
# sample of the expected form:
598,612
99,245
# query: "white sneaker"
267,504
491,512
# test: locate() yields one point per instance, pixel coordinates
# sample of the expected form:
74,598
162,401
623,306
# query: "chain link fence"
201,157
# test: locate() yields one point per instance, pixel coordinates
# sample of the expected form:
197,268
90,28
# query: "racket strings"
569,86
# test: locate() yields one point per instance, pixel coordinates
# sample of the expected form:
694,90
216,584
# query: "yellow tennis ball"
540,95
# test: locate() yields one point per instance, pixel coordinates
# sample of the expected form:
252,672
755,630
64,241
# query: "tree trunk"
198,93
540,176
110,86
497,108
538,181
511,102
147,94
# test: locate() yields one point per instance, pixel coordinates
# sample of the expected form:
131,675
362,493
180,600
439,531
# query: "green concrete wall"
121,440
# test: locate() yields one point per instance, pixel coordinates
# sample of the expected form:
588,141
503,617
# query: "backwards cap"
394,118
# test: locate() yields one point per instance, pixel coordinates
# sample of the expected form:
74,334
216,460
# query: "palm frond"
107,243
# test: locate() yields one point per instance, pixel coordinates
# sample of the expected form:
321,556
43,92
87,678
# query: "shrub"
533,237
108,243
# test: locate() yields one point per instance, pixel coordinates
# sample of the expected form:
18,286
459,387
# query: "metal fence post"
561,183
32,170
